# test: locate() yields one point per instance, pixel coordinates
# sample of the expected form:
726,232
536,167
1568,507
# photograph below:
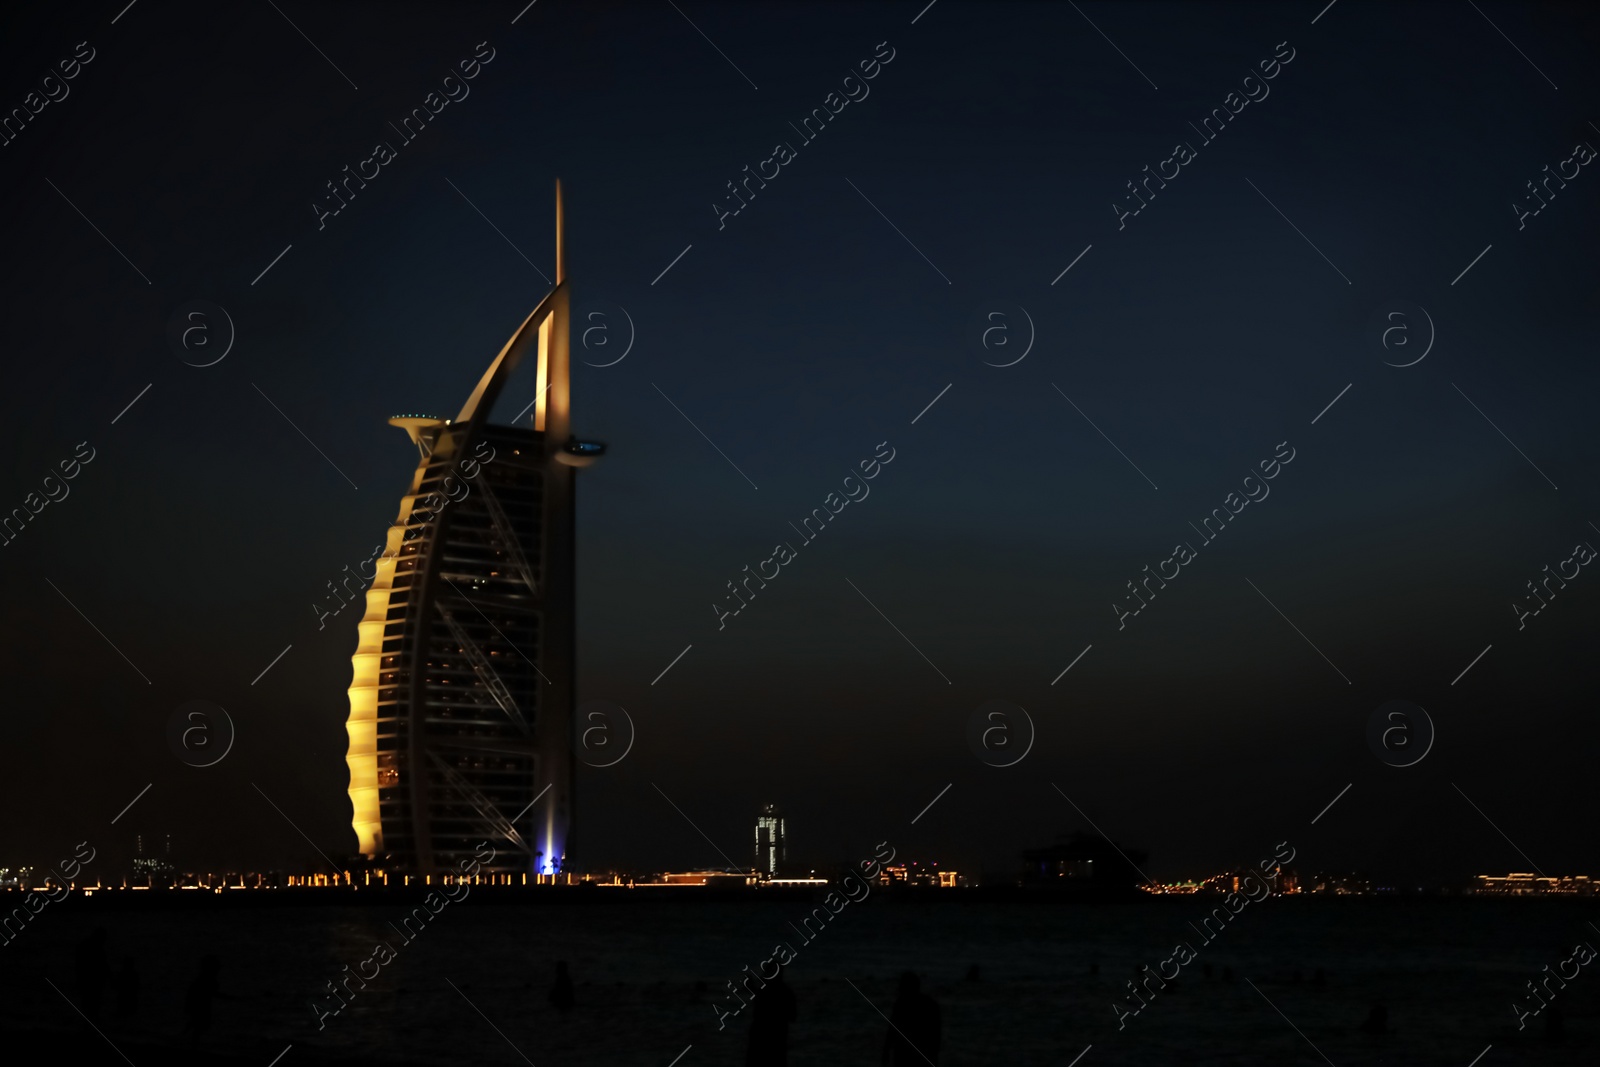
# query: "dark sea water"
1448,970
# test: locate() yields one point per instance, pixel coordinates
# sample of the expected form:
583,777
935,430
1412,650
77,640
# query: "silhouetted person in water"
561,991
197,1002
771,1012
1377,1020
972,973
913,1036
127,983
90,971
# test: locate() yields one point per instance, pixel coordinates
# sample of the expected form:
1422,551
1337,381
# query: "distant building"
722,879
771,841
1347,884
153,870
1084,863
1518,884
920,874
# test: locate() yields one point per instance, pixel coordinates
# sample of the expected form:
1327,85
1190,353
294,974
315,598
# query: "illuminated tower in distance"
771,840
461,706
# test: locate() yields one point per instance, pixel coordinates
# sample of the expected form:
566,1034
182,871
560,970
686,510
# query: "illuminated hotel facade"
461,704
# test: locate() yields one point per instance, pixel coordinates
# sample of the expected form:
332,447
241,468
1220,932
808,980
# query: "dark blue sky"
797,338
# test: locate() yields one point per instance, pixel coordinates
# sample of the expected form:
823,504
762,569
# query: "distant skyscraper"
461,705
771,840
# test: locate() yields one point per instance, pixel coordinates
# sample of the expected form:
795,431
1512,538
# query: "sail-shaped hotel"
461,706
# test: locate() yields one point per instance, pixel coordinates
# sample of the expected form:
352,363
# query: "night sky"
1185,345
